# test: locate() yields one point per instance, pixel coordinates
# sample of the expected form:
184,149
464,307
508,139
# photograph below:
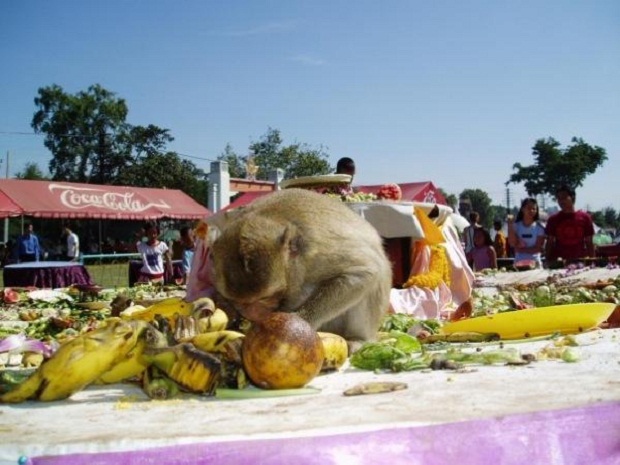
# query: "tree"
91,142
450,198
268,154
31,171
555,167
236,164
480,202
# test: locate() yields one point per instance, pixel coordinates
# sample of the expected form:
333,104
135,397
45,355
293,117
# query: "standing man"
28,248
569,231
73,244
468,232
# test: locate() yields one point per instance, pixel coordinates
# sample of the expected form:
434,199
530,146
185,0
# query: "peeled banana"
78,363
335,349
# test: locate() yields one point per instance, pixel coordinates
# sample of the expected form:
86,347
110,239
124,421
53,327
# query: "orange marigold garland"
438,270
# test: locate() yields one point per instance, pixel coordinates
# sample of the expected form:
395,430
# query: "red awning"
246,198
52,199
412,191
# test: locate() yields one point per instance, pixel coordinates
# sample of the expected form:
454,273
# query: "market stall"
54,199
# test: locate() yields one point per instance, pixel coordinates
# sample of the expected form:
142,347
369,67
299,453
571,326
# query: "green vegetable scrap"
395,351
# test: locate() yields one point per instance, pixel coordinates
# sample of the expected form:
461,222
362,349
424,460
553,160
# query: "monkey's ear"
292,241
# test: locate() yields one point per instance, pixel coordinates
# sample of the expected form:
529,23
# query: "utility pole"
508,200
6,220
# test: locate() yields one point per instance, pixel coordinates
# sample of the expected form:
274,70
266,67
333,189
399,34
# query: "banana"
78,363
233,376
215,342
166,308
335,349
157,386
217,320
134,363
172,307
192,369
460,337
185,328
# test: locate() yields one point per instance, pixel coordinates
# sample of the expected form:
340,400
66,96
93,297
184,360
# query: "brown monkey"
299,251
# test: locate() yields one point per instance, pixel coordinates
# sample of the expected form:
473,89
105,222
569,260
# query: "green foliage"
554,166
451,199
91,142
236,164
269,153
481,203
32,172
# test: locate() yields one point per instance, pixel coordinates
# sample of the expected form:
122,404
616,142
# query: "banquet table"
547,412
135,265
45,274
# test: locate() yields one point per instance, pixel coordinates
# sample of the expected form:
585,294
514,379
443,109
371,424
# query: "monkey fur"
299,251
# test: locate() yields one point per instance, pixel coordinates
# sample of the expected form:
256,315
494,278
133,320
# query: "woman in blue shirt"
526,235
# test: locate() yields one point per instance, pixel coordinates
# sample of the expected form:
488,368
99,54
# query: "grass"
107,275
110,275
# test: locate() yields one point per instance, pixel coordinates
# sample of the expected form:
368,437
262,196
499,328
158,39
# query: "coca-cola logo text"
84,197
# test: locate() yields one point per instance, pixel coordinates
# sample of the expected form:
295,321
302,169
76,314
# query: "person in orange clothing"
499,241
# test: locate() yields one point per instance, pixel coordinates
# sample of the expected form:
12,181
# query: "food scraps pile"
52,347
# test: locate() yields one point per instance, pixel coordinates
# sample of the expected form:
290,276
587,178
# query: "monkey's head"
253,262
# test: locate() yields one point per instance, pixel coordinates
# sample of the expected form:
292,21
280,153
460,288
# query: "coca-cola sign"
79,198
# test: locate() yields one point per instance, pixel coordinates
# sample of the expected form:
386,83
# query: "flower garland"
438,270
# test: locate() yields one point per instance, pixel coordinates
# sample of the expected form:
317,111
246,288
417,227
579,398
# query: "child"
499,243
483,254
153,252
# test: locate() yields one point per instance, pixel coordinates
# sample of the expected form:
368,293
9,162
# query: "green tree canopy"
31,171
91,141
269,153
555,166
480,202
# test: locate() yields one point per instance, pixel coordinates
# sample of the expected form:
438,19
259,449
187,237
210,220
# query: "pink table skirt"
45,274
586,435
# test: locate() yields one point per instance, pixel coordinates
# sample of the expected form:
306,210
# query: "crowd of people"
566,237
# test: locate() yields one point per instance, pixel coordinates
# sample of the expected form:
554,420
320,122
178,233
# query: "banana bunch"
79,362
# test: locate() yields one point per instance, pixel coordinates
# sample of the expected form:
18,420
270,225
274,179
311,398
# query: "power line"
83,136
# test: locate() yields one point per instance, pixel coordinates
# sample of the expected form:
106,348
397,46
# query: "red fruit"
10,296
390,191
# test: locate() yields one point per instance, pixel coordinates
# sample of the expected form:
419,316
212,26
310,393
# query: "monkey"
299,251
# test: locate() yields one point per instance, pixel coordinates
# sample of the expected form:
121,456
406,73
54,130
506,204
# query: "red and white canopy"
53,199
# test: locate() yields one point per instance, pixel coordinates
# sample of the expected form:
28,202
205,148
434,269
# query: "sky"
453,92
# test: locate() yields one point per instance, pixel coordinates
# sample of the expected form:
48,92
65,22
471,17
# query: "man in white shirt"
73,244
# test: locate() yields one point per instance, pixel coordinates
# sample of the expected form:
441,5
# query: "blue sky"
454,92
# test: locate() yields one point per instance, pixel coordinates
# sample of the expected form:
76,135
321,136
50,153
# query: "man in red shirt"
569,231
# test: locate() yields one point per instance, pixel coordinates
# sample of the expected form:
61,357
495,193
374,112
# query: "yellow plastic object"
518,324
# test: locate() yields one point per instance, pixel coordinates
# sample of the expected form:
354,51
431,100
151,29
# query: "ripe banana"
192,369
134,363
217,320
78,363
335,349
215,342
167,308
171,307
